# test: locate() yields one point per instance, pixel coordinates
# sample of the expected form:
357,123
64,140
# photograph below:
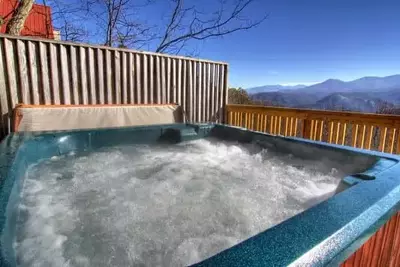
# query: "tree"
187,23
388,108
121,23
20,13
240,96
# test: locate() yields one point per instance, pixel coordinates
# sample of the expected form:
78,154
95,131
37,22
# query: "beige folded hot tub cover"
69,117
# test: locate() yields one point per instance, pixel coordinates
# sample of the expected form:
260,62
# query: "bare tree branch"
200,29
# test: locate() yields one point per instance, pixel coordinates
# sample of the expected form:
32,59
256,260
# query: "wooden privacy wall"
381,250
368,131
38,71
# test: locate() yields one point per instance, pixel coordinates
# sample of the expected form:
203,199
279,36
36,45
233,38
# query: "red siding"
38,22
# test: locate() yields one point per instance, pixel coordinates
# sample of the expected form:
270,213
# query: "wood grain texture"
361,130
381,250
36,71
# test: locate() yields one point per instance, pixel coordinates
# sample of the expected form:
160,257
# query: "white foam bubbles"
159,205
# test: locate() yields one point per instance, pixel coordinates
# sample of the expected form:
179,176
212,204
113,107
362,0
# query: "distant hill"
365,94
286,99
273,88
353,101
350,102
365,84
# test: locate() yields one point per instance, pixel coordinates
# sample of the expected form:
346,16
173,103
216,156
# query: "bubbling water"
158,205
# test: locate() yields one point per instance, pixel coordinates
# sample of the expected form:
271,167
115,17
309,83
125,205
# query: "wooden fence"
361,130
39,71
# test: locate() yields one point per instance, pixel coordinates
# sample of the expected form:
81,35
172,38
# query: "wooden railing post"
306,133
338,127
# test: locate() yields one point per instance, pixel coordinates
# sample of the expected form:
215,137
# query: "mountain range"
273,88
366,94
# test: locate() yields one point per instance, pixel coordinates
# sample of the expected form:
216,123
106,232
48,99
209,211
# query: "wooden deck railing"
362,130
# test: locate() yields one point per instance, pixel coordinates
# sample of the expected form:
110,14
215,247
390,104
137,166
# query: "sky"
303,41
308,41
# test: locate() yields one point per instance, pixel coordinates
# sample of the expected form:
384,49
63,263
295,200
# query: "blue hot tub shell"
325,234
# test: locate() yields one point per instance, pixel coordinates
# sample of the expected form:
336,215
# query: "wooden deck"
362,130
368,131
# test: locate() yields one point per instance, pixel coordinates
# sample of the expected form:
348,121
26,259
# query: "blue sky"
304,41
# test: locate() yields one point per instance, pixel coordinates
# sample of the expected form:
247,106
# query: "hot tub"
41,206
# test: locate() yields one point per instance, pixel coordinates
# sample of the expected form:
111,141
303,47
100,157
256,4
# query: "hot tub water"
159,204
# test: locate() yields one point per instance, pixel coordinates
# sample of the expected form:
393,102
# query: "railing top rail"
318,114
42,40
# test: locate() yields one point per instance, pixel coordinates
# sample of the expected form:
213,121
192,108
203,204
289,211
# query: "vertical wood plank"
286,126
168,80
316,124
208,94
204,93
33,78
195,88
54,66
109,90
91,72
368,140
190,91
66,92
364,129
291,127
354,135
100,93
158,80
74,75
337,133
23,72
163,81
3,96
116,77
11,74
44,74
125,81
344,130
221,91
213,105
279,124
271,124
179,82
151,99
321,132
225,87
131,78
199,89
331,131
138,79
382,139
83,82
392,138
144,87
184,85
173,79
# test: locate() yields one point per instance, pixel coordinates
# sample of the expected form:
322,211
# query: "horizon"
312,83
299,43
